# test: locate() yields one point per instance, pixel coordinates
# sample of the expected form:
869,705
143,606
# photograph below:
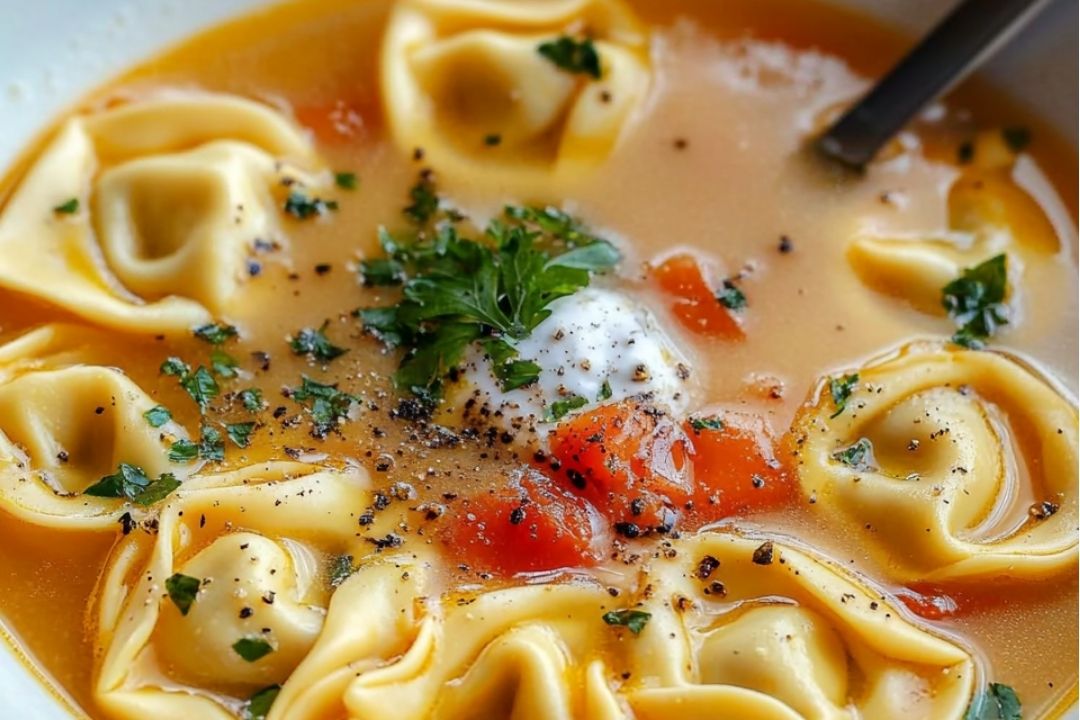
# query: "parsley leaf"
223,363
632,620
605,391
157,416
215,333
314,343
175,367
841,388
493,290
183,451
201,386
68,207
859,456
574,56
328,405
560,408
211,444
252,399
302,207
258,706
996,702
240,433
707,423
346,180
132,483
252,648
341,568
381,272
731,297
975,300
182,591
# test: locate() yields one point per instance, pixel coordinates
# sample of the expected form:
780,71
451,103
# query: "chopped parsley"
346,180
302,207
328,405
382,272
976,302
841,388
996,702
175,367
258,706
1016,137
68,207
215,333
492,290
632,620
223,363
341,568
251,398
252,648
560,408
731,297
573,56
605,391
182,590
240,433
132,483
211,444
157,416
201,386
315,344
858,456
708,423
183,451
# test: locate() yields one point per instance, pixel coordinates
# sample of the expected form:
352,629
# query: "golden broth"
715,165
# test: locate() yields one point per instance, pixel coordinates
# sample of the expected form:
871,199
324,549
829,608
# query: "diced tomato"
528,525
628,460
694,302
735,469
928,603
336,122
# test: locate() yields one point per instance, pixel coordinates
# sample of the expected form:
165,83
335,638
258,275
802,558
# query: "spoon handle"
966,37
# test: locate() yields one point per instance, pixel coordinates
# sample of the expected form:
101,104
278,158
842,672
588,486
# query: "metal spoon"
972,32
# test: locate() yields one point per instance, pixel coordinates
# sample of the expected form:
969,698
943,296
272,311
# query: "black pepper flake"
637,506
785,245
323,268
127,523
517,516
706,566
680,143
381,501
576,478
628,529
62,456
763,555
492,139
246,612
268,598
389,541
716,588
262,359
367,518
98,410
1043,510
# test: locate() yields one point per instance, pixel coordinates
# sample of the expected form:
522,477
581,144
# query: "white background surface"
52,51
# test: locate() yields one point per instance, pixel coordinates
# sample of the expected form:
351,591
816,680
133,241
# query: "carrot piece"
529,525
693,302
735,469
629,461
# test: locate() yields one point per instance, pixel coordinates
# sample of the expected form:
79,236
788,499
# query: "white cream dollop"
597,344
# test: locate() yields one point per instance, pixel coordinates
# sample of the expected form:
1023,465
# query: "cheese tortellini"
728,635
65,425
949,464
988,214
141,216
466,82
257,544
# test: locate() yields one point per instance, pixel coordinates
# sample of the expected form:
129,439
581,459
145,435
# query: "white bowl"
53,51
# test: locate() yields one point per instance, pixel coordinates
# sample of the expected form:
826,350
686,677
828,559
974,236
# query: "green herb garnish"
315,344
302,207
493,290
382,272
182,590
132,483
223,363
346,180
68,207
211,444
996,702
341,568
841,388
251,398
215,333
258,706
858,456
632,620
183,451
157,416
573,56
975,301
708,423
731,297
328,405
560,408
252,648
201,386
157,490
605,391
175,366
240,433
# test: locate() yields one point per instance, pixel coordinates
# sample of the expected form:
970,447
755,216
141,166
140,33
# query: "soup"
476,359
